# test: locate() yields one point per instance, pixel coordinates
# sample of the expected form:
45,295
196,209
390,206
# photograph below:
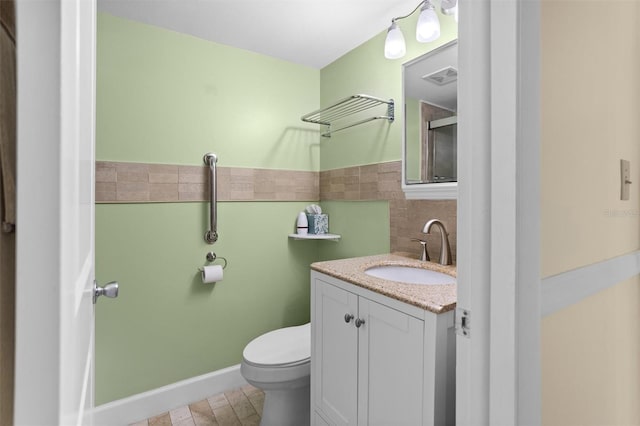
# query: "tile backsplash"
382,181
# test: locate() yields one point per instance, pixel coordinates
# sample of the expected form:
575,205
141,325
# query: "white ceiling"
308,32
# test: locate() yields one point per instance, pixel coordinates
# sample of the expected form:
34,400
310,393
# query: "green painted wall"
366,70
165,97
167,325
363,226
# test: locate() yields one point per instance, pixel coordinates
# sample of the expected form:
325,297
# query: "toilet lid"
290,345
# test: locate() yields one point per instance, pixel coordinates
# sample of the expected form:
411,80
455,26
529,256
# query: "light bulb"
394,46
450,7
428,28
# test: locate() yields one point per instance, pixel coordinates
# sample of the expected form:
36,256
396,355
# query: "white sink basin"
409,275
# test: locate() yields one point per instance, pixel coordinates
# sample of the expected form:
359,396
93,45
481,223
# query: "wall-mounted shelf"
347,107
332,237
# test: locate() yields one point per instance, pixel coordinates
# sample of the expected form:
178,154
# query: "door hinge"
462,322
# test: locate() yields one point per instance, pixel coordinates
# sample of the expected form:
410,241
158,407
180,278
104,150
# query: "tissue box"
318,223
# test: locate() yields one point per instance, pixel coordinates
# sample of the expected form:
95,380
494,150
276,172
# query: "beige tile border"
119,182
379,181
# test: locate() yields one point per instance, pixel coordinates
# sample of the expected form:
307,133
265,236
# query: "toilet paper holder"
212,257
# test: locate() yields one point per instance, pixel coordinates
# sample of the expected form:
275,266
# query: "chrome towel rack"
346,107
211,236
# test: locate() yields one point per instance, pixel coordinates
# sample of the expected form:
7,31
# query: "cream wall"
590,84
590,360
590,102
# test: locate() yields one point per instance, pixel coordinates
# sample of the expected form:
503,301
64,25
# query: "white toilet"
279,363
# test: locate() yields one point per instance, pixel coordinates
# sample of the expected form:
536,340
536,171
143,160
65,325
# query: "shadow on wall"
199,289
381,139
297,300
292,143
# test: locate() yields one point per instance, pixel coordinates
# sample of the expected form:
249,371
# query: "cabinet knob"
359,322
348,318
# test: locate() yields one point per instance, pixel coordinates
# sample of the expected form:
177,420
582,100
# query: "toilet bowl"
279,363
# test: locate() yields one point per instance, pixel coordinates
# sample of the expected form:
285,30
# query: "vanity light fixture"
427,29
394,46
450,7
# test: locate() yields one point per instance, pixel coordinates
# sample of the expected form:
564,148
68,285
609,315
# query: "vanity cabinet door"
367,370
390,366
335,355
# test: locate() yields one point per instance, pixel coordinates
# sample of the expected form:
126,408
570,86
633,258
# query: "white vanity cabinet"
376,360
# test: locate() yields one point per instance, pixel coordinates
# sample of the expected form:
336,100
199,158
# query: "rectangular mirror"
430,124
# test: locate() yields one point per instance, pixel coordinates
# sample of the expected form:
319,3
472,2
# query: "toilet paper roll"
212,274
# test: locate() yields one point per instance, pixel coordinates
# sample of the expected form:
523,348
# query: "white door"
55,223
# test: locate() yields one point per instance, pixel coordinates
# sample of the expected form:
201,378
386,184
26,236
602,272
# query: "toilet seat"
285,347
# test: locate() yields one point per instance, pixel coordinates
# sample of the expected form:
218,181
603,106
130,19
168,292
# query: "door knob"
110,290
348,318
359,322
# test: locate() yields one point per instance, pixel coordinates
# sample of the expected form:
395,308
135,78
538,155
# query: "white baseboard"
148,404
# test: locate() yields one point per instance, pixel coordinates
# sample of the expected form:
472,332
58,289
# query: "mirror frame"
423,191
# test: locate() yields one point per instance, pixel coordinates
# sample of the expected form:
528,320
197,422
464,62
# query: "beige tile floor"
236,407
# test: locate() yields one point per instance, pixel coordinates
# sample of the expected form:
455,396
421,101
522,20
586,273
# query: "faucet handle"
425,254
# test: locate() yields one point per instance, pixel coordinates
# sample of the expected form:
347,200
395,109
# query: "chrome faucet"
445,249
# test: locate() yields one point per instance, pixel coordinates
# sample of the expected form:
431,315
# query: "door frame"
38,212
53,307
498,367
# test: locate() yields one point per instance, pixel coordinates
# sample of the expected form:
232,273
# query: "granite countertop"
433,298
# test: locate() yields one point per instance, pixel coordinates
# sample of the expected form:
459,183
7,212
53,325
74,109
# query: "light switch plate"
625,179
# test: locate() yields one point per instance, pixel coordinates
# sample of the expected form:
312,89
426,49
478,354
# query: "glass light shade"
428,28
394,46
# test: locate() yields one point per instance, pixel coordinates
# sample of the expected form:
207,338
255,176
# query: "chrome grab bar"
211,236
